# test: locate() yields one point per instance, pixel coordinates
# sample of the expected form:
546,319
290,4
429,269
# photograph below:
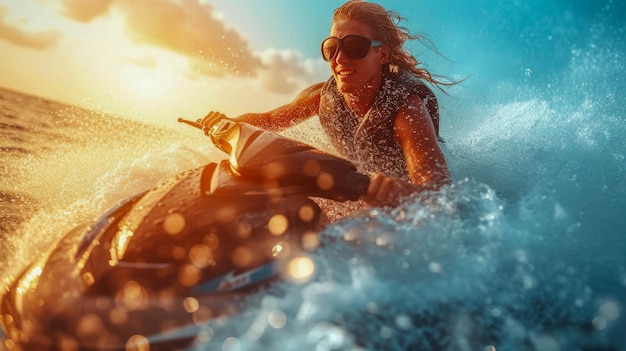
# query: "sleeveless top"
371,143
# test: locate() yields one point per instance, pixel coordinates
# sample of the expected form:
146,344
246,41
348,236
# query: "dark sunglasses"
354,46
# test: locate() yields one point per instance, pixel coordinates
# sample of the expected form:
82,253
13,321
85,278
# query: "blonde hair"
386,26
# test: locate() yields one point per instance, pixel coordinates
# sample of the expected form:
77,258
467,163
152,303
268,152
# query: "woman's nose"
341,57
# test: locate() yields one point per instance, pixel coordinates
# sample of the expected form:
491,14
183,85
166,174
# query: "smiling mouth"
345,73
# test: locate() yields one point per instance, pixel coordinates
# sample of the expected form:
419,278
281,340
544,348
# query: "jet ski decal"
231,282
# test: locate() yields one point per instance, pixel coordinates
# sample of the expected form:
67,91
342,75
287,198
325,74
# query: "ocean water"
525,251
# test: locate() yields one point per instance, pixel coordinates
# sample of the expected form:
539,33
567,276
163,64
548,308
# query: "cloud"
186,27
85,10
285,71
189,28
39,40
193,29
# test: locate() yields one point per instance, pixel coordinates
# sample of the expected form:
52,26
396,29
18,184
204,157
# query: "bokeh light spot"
178,252
325,181
231,344
138,343
201,256
242,256
300,269
174,223
311,168
276,319
189,275
191,304
310,241
280,249
278,224
203,315
306,213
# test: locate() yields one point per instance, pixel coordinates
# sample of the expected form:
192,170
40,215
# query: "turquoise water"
524,252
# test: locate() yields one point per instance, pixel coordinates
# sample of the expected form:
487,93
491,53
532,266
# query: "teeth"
345,73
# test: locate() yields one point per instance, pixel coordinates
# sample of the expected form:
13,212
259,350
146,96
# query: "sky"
155,60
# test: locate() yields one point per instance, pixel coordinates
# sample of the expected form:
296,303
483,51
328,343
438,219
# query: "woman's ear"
385,54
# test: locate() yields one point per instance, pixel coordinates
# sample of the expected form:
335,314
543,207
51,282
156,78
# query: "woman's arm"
302,107
416,134
426,163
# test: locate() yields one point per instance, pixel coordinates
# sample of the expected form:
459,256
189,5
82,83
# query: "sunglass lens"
356,47
353,46
330,47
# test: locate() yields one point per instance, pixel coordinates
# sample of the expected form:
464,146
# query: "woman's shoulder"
415,86
410,79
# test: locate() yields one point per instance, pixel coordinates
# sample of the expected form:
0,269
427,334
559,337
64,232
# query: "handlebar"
266,156
191,123
195,124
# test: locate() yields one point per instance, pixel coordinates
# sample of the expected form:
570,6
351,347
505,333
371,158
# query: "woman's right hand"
388,191
211,119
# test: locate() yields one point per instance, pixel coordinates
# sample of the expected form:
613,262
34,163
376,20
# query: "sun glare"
149,88
106,69
144,83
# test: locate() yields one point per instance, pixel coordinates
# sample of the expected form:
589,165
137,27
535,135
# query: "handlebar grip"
360,183
211,119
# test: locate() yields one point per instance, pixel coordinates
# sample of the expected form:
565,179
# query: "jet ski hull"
157,267
133,276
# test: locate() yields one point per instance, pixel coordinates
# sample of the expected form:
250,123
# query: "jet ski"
151,271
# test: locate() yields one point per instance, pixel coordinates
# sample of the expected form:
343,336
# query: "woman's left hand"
387,191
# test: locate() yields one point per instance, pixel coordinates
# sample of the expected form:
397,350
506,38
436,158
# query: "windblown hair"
386,25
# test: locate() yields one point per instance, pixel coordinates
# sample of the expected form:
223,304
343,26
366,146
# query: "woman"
375,108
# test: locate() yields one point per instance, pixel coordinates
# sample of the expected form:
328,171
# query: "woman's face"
354,75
